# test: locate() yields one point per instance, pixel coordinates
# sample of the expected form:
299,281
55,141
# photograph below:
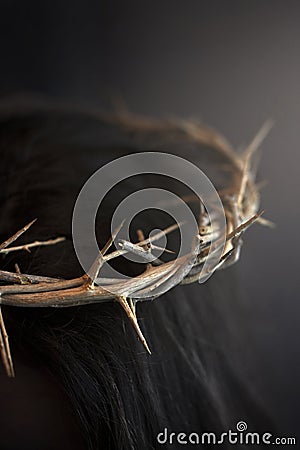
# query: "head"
120,396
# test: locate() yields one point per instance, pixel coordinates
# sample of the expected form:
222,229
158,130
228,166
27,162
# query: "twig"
252,148
24,278
98,263
154,238
32,244
138,250
16,235
5,348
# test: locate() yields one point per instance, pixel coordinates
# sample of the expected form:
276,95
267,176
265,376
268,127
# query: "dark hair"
194,381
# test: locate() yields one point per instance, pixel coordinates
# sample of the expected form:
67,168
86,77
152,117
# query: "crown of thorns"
240,199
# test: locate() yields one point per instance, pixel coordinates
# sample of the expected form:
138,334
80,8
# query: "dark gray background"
232,63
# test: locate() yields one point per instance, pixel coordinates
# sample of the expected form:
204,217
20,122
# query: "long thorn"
251,149
16,235
99,261
5,348
123,302
27,247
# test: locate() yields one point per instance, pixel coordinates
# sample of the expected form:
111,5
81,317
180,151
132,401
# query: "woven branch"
240,199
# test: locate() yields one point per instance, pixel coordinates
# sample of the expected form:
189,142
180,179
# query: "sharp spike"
132,317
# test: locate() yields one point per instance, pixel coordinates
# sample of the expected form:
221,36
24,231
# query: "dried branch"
98,263
27,247
24,278
16,235
240,198
5,349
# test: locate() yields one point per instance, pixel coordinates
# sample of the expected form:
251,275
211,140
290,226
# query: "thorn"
94,270
261,184
243,226
16,235
5,349
123,302
259,138
202,215
99,261
140,235
112,238
132,304
155,247
266,222
248,154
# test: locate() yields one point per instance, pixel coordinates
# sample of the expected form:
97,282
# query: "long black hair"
120,397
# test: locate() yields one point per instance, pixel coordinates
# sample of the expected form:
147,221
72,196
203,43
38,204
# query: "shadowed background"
233,64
